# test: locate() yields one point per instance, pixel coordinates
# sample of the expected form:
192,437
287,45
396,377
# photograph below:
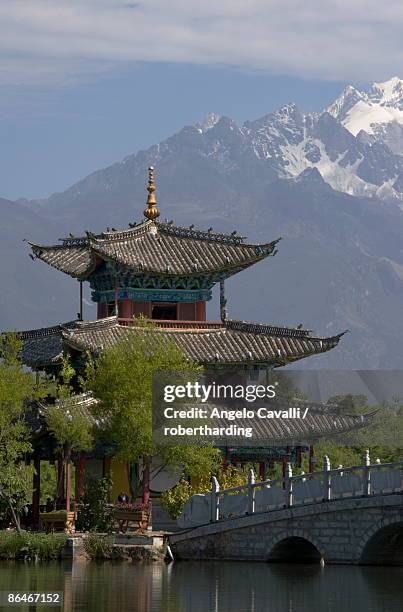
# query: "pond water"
209,586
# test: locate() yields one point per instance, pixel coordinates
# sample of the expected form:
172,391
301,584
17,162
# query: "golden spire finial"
151,212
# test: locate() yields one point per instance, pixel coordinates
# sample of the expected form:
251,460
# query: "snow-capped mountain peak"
373,111
388,93
208,122
355,145
345,102
289,111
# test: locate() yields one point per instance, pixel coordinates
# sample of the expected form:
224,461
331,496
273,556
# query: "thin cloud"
44,41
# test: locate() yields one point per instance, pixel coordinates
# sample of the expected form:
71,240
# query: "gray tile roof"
43,346
232,342
155,247
81,404
321,420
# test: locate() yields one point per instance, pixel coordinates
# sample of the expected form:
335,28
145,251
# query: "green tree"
17,387
122,379
382,436
72,429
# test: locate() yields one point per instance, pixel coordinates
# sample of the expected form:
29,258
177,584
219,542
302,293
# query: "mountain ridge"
287,141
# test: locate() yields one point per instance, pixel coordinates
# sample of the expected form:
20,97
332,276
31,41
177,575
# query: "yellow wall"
119,474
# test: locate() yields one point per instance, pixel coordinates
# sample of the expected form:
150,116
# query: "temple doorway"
166,311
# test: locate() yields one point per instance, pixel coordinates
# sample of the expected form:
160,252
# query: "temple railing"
290,491
172,324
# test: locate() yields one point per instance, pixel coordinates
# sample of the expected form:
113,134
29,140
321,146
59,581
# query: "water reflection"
210,586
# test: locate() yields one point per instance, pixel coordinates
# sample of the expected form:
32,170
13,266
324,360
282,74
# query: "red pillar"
36,495
262,470
200,311
125,309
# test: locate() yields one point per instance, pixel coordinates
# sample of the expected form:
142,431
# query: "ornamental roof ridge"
198,234
47,331
96,324
277,330
65,242
266,328
73,241
109,235
122,234
163,226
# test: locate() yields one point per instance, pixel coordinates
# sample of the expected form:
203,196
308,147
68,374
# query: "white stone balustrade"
317,487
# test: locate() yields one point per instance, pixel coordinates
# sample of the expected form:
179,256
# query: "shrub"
98,546
95,513
46,545
174,500
31,546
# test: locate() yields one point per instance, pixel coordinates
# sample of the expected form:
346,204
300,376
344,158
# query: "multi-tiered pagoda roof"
165,272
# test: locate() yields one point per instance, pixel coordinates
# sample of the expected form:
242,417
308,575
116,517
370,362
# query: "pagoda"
166,273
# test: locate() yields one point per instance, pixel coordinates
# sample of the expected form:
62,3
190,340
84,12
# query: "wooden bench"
137,519
59,520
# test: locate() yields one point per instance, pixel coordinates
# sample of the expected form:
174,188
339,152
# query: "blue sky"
83,84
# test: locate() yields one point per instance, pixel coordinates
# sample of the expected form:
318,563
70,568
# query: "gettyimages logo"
215,391
219,411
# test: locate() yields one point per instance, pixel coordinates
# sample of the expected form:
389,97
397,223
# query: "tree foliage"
71,429
17,387
95,514
122,379
383,436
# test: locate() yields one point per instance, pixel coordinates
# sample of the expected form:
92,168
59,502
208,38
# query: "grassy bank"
31,546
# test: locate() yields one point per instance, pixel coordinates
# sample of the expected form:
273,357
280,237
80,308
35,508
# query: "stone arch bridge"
349,523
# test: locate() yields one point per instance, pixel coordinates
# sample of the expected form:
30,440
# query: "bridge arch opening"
385,547
295,550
